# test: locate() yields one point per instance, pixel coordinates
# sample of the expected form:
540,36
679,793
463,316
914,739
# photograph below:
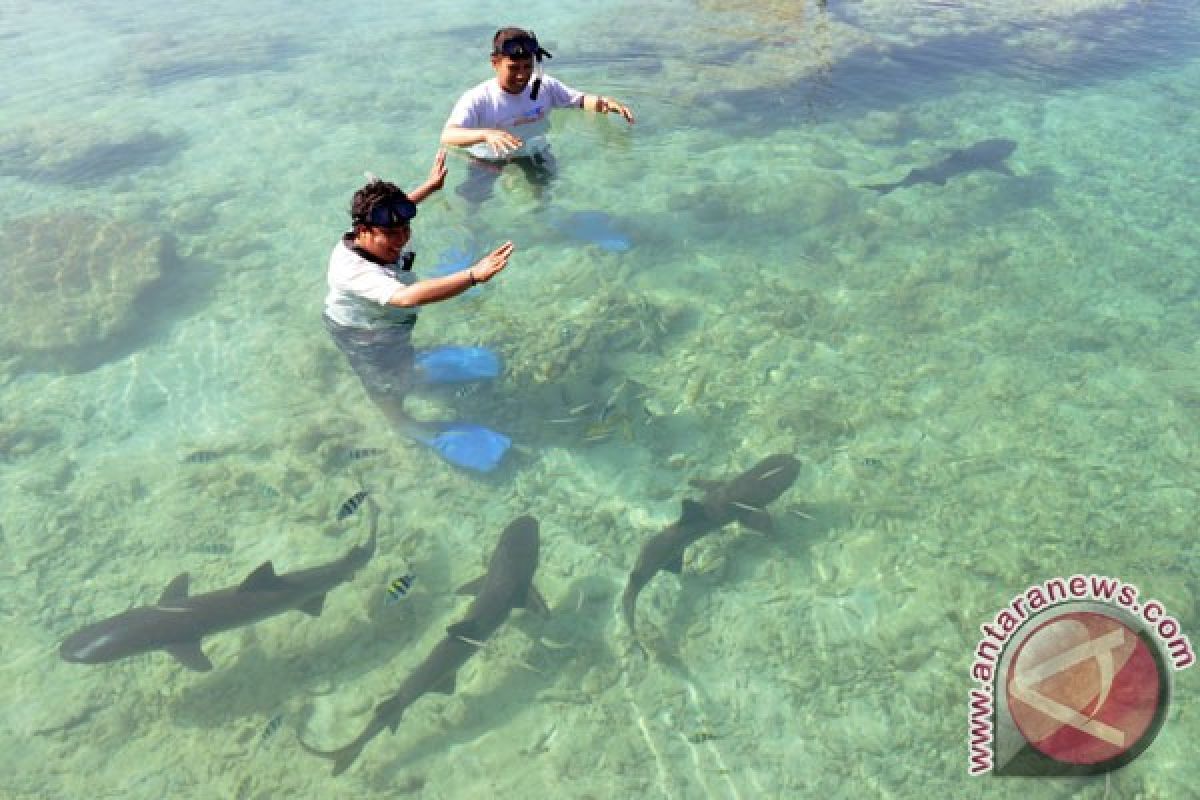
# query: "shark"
742,499
507,584
179,621
988,154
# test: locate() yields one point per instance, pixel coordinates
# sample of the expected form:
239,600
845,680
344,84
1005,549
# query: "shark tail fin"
342,758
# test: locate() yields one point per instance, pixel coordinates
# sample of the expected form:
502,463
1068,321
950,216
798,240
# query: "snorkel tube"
538,52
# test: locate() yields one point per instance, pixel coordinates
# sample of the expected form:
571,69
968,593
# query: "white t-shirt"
359,290
489,106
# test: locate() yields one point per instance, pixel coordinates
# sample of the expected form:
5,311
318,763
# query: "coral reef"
73,286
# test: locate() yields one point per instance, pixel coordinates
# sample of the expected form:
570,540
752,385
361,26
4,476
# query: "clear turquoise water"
989,383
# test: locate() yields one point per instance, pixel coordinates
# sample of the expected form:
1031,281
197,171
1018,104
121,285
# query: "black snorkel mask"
525,47
396,212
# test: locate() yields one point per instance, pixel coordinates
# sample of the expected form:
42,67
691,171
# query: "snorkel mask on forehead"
522,45
394,212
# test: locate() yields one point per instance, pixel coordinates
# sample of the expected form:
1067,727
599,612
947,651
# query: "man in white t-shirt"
504,120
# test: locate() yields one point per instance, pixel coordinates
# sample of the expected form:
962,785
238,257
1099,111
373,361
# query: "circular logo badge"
1085,689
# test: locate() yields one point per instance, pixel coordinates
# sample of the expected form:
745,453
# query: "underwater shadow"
82,163
164,60
1113,44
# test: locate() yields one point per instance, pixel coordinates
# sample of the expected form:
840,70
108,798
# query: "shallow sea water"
989,383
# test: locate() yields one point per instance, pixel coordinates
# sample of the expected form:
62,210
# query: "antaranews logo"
1072,678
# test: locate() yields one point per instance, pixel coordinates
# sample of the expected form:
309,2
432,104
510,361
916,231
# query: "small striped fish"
212,549
269,730
202,457
398,588
272,727
351,505
359,453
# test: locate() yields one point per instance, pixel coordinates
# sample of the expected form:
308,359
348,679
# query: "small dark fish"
272,727
873,463
700,737
359,453
351,505
202,457
213,549
398,588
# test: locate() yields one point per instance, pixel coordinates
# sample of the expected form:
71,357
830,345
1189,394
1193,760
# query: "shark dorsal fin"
262,579
176,590
471,587
693,512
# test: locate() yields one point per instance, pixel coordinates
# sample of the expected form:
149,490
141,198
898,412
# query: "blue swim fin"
469,446
457,364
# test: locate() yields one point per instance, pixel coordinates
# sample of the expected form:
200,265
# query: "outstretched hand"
435,181
493,262
502,142
607,105
437,174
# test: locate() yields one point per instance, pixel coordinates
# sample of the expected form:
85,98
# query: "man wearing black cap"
504,120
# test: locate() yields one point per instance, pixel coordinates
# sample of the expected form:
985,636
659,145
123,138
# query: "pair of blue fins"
471,446
463,444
